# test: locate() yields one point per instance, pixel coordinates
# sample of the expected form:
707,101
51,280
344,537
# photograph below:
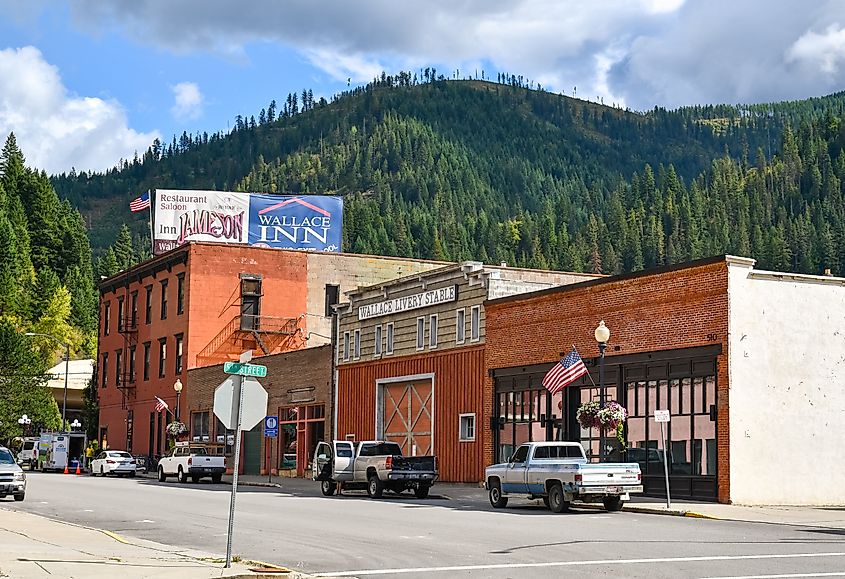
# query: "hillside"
498,172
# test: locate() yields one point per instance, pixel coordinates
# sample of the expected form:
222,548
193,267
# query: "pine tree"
123,251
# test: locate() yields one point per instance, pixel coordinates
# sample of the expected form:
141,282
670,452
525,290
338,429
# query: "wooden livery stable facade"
410,361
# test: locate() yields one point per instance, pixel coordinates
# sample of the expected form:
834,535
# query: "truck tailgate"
605,474
421,463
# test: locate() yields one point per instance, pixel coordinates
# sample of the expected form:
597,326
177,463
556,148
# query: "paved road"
454,536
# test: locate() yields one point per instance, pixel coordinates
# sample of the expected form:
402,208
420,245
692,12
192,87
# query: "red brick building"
202,304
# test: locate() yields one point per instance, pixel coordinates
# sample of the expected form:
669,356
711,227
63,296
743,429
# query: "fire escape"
127,326
263,334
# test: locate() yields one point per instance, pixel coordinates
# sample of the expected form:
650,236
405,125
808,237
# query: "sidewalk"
828,517
35,546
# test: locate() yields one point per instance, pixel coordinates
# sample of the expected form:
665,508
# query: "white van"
29,453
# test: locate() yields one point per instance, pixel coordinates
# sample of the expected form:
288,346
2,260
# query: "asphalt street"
453,534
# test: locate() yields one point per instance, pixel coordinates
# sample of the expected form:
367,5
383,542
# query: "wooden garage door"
407,416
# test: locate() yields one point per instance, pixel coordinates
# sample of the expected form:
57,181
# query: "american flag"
141,203
569,369
161,405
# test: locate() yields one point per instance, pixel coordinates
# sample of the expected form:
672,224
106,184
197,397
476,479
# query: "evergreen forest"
502,171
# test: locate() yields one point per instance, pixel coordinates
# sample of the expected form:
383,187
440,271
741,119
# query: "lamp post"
24,421
67,368
75,424
178,387
602,335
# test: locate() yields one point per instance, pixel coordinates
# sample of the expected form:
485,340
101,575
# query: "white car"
117,462
12,478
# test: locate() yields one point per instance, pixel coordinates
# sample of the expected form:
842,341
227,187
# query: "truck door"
344,461
515,476
322,469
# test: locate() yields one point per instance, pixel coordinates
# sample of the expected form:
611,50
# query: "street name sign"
661,416
241,369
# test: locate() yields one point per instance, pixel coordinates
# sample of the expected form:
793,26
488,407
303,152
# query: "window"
105,370
134,311
357,344
164,299
460,326
180,294
162,356
332,295
432,331
147,360
377,345
120,312
178,353
520,455
250,302
345,346
389,349
475,323
106,319
200,426
148,307
118,366
420,333
131,363
467,427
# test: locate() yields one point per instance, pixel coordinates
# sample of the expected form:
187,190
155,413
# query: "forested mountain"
46,287
499,172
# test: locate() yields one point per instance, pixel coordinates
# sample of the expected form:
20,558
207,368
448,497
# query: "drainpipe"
335,353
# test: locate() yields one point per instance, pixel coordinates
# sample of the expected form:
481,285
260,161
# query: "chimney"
503,264
827,272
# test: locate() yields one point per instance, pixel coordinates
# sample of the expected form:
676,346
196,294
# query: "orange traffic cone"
66,472
77,469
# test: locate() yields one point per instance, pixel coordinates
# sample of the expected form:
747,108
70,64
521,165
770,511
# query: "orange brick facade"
675,308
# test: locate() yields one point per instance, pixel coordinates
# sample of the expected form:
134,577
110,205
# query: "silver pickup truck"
559,473
375,465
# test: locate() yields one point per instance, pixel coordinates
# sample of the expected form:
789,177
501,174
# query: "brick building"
411,361
298,385
735,354
202,304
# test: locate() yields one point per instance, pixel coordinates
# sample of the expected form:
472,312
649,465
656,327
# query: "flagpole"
588,374
152,242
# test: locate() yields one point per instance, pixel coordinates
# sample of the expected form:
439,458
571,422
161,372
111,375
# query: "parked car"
28,455
118,462
12,477
193,461
374,465
559,473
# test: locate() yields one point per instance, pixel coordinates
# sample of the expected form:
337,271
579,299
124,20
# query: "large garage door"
407,417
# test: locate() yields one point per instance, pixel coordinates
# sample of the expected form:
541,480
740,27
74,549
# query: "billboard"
310,222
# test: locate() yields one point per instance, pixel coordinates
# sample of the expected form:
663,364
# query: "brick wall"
309,368
669,309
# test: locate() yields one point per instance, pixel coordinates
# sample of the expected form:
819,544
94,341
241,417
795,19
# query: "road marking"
576,564
114,536
834,574
88,511
145,521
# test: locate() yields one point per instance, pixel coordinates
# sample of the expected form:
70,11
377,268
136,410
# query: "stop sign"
254,398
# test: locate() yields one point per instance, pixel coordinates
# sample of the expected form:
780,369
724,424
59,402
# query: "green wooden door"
252,450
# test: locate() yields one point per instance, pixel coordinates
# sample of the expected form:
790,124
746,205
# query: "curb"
653,511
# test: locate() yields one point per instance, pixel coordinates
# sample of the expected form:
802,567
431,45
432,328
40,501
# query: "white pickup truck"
559,473
376,465
192,462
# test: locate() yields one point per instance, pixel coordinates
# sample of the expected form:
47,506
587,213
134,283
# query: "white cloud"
188,101
826,51
55,129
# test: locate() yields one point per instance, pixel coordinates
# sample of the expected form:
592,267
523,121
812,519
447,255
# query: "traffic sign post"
662,416
239,403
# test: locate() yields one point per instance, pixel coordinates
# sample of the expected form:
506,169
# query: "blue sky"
84,83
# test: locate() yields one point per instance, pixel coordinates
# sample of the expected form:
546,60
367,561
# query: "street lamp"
67,368
602,335
25,421
75,424
178,387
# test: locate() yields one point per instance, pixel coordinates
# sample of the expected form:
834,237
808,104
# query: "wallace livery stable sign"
411,302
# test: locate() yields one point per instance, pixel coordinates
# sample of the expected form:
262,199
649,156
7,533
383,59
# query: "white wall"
787,387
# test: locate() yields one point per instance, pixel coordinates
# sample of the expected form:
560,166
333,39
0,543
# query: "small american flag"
569,369
161,405
141,203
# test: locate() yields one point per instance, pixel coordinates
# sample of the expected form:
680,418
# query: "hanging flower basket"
588,415
611,416
176,428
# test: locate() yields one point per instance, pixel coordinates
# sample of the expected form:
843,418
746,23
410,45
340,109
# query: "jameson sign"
405,303
310,222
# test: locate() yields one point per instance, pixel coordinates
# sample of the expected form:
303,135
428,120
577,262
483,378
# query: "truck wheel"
613,504
375,487
421,491
195,479
216,478
328,487
19,497
557,503
546,501
496,498
161,476
181,476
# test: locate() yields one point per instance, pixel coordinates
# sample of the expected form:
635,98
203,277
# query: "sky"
85,83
